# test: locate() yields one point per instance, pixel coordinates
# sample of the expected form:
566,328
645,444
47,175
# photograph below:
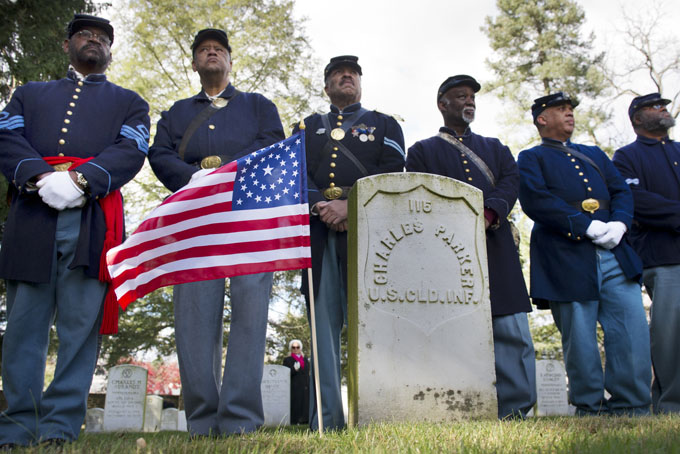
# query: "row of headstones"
128,408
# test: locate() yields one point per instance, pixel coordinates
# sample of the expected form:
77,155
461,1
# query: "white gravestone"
94,420
420,341
182,421
152,413
551,388
169,419
276,395
125,398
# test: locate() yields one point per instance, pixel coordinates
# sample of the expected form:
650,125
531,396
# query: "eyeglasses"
88,35
296,346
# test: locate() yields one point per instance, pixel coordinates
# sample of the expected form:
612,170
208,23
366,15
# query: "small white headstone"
182,421
420,344
551,388
276,395
94,420
152,413
125,398
169,419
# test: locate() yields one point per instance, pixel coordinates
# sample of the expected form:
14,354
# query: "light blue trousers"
232,403
73,301
515,365
627,374
331,314
663,286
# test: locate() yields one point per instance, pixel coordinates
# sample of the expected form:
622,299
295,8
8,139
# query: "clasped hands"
59,190
333,213
606,234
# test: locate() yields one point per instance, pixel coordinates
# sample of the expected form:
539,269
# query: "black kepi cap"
81,21
211,33
454,81
551,100
343,60
646,100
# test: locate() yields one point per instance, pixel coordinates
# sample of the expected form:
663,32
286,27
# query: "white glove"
59,191
200,173
613,236
296,366
596,229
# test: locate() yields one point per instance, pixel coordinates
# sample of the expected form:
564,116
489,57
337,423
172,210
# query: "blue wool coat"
67,117
563,259
249,122
652,170
434,155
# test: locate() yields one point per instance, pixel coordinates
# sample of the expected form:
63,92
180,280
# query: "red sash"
112,206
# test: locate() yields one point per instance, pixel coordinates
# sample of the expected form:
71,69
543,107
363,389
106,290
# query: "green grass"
659,434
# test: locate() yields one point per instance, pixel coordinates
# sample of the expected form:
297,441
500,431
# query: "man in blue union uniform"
197,135
487,164
651,167
582,266
67,147
348,143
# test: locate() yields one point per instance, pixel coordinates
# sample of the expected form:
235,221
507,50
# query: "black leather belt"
590,205
336,192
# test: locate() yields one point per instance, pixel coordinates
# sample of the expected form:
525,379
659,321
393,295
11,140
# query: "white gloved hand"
596,229
296,366
612,238
59,191
200,173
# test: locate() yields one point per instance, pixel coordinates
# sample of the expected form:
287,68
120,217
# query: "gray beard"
656,124
468,118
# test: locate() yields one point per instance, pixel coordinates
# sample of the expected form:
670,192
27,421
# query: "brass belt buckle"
332,193
63,167
590,205
211,162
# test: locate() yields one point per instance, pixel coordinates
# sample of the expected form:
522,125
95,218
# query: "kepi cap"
551,100
646,100
343,60
454,81
211,33
81,21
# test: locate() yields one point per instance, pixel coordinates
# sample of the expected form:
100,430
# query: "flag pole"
315,352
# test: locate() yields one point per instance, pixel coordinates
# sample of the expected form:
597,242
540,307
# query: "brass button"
460,138
585,180
663,143
573,160
62,141
64,130
577,167
78,90
61,154
339,123
80,83
340,117
578,238
68,112
331,175
334,155
67,121
568,154
580,174
331,185
75,96
465,162
675,163
211,126
467,170
335,148
332,164
72,104
590,189
569,234
469,178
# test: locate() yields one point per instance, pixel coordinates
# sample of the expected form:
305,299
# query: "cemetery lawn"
658,434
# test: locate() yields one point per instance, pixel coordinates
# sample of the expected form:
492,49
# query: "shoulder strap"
203,115
348,123
576,153
476,160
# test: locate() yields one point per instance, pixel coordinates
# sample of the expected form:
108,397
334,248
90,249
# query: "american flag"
248,216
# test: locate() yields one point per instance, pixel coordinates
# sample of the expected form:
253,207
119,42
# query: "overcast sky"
407,49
